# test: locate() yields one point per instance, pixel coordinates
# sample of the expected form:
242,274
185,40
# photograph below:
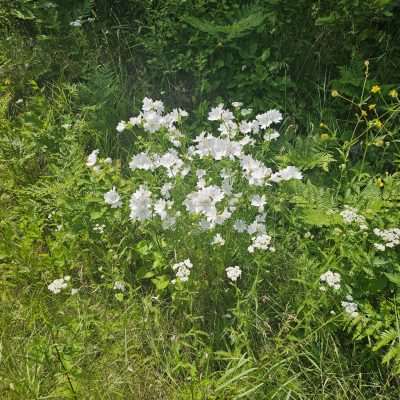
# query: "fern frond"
231,31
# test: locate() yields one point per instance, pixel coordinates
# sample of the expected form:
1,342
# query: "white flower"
273,135
160,208
108,160
149,105
254,171
74,291
270,117
121,126
182,270
152,121
258,201
233,273
142,161
92,158
216,113
99,228
217,148
218,240
166,190
113,198
174,136
119,285
245,127
140,204
237,104
66,126
58,284
240,226
380,246
261,242
350,308
76,24
391,237
286,174
136,121
228,129
350,215
171,162
332,279
204,201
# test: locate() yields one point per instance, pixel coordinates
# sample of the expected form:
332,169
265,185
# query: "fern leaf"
232,31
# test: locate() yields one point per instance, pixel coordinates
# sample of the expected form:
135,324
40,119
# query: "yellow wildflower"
378,123
375,89
372,106
393,93
335,93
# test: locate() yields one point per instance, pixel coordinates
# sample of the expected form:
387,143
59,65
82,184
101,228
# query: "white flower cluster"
153,119
332,279
59,284
217,148
205,173
391,238
261,242
229,126
233,273
255,171
170,161
350,307
182,270
350,215
143,207
141,204
204,202
99,228
119,285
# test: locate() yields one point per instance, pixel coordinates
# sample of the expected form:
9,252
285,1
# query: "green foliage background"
280,340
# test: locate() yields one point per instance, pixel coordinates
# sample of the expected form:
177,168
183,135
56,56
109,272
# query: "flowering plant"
206,195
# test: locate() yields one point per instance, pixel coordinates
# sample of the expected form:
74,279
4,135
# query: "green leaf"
395,278
27,15
144,273
97,214
161,282
119,296
328,20
318,217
